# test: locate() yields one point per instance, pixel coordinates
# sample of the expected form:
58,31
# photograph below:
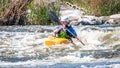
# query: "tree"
15,13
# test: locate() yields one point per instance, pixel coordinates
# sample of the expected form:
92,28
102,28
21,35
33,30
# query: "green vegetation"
98,7
70,1
39,13
3,5
111,7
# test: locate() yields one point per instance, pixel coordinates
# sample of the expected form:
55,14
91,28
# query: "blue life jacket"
71,32
67,33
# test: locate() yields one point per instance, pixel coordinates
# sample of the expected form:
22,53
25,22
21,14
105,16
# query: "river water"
23,47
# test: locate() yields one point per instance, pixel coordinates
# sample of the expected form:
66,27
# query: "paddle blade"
53,16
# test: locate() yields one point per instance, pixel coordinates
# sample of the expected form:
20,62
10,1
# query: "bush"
70,1
3,5
110,7
39,13
98,7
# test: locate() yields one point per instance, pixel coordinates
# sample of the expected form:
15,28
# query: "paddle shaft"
75,37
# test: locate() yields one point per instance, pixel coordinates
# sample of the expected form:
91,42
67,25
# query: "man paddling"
66,31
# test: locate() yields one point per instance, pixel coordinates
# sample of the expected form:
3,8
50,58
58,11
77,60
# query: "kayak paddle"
55,18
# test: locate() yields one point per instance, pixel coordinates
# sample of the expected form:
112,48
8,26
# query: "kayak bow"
53,41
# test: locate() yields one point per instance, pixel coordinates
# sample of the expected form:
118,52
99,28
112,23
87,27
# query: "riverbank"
77,17
85,12
96,7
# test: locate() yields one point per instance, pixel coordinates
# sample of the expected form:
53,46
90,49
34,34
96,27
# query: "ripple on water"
22,48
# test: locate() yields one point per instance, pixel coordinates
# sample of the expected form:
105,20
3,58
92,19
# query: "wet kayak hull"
53,41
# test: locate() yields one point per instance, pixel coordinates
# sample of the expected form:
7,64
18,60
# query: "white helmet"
66,19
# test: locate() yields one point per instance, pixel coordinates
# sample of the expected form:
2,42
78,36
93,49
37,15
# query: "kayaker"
65,30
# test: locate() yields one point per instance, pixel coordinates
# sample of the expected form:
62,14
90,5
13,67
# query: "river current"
23,47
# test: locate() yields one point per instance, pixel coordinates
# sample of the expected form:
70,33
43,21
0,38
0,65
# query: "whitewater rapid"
23,46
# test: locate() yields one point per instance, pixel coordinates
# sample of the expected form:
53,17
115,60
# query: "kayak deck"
53,41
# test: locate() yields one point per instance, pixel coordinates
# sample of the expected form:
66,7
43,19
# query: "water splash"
26,48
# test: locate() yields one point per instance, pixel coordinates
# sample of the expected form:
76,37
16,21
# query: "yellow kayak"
53,41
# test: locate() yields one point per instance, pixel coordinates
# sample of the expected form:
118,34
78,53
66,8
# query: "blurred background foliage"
3,5
37,12
98,7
